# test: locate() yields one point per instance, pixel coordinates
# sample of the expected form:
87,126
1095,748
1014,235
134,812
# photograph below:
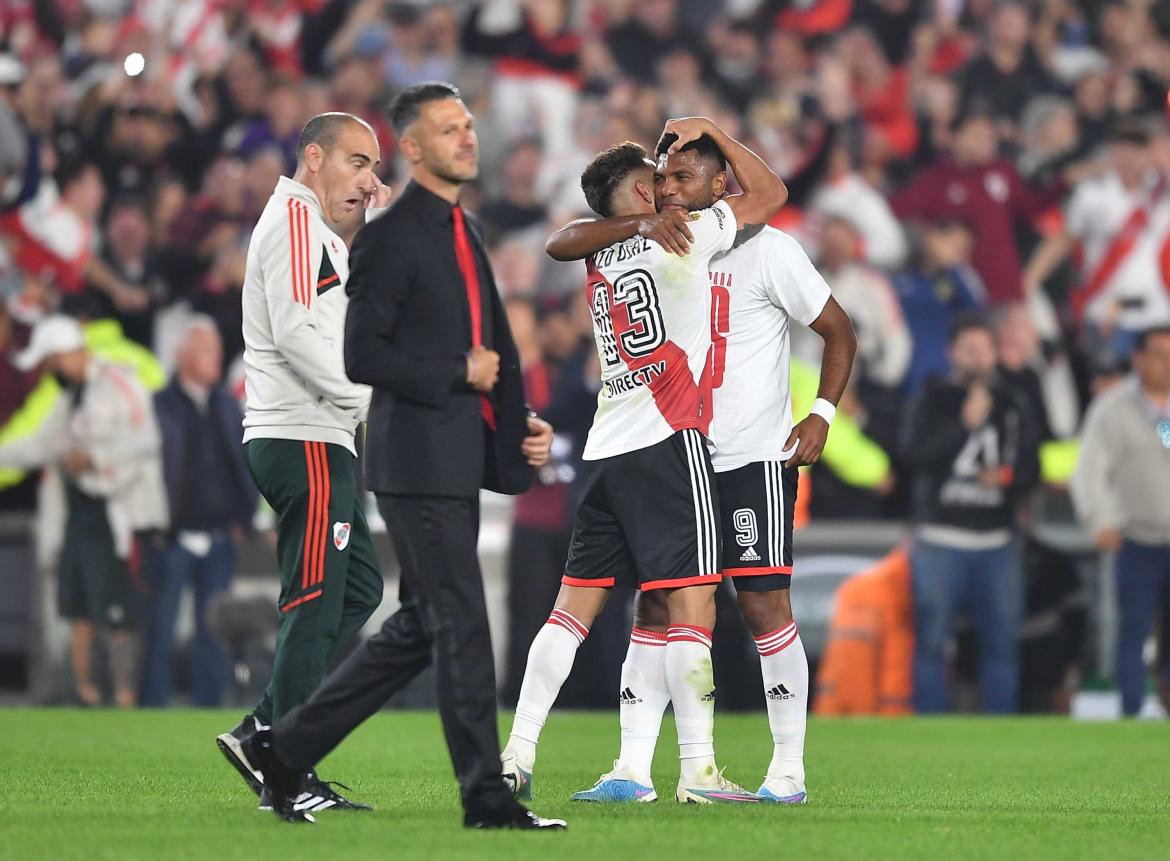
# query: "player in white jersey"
650,511
758,288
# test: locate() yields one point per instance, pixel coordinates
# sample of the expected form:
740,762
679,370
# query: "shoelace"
334,783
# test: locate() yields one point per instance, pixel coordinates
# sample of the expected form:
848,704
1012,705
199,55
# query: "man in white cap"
102,439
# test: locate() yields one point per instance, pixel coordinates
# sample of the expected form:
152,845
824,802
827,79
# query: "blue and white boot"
620,786
782,790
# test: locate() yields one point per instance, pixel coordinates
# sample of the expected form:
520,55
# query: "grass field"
102,784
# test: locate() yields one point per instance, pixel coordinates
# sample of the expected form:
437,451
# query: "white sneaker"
516,774
715,790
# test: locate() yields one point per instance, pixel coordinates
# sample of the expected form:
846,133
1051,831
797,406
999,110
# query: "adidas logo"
708,697
779,692
749,555
628,698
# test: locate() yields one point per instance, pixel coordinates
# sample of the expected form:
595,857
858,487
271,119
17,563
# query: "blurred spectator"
1008,72
126,253
646,34
1122,493
883,340
986,194
212,498
541,524
940,285
970,443
1121,221
103,440
54,233
536,63
1039,371
847,195
515,208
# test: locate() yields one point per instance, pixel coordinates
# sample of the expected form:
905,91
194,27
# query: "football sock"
785,671
642,700
550,659
692,690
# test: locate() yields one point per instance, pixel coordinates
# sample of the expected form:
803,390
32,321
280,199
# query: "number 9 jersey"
652,324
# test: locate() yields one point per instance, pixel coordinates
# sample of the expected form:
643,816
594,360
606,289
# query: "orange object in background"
868,664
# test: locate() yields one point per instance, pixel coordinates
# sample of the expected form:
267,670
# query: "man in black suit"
425,328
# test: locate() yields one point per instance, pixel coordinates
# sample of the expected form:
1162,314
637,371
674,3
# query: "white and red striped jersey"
757,288
652,325
294,306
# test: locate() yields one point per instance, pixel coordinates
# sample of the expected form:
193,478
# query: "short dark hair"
966,321
324,129
606,172
1143,337
704,145
407,105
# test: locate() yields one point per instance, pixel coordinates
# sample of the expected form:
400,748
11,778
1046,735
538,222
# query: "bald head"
325,130
336,157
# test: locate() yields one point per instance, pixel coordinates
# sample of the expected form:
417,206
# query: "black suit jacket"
406,334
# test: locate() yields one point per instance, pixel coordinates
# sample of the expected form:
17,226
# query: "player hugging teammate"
691,295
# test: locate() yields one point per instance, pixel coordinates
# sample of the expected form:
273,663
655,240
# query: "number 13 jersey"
652,325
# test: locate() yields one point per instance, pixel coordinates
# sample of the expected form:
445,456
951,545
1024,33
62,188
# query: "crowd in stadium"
943,157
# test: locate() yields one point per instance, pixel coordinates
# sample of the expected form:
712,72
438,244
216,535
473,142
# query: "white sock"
785,671
642,701
691,684
550,659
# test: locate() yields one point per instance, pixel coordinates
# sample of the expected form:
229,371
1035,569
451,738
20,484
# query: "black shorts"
649,517
756,503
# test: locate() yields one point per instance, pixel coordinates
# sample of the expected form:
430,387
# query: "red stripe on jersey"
678,398
294,256
306,255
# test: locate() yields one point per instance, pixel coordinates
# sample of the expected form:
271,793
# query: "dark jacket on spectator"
947,460
208,484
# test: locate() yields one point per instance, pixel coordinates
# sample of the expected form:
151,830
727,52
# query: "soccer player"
650,512
759,286
300,418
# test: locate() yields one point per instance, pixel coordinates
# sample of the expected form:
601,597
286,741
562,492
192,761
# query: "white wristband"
824,409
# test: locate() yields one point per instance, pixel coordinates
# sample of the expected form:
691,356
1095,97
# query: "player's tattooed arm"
578,239
746,232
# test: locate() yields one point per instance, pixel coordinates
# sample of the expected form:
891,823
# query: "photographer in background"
972,448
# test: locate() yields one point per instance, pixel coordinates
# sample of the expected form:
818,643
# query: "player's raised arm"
764,193
578,239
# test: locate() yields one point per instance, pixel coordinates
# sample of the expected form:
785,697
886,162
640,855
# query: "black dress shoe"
282,785
514,815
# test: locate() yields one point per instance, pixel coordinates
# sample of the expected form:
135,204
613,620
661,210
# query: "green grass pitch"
102,784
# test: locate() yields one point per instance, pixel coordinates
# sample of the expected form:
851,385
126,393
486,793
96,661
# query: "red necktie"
466,259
